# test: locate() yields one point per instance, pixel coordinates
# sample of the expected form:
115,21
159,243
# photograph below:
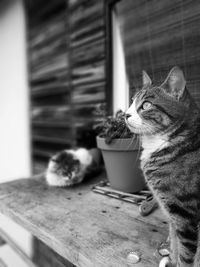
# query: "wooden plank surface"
2,263
85,228
17,249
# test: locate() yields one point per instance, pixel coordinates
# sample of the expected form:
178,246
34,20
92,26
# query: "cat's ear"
146,79
174,84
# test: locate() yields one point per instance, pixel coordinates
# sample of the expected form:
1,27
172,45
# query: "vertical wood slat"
67,73
16,248
48,42
87,61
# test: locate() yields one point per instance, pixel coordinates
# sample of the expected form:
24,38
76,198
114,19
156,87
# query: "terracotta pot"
122,164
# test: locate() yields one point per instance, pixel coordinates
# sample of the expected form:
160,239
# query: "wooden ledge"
85,228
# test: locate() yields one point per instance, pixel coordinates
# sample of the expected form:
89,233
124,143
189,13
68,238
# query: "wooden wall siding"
40,9
66,41
49,79
87,62
160,36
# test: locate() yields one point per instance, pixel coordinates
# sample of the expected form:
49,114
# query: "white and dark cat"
168,121
71,166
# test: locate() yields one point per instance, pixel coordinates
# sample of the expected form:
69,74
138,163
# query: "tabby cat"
168,122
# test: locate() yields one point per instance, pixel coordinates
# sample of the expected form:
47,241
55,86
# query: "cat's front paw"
166,262
55,179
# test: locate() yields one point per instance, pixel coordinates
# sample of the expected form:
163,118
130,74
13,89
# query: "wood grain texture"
2,263
83,227
87,61
46,257
158,36
16,249
66,45
48,49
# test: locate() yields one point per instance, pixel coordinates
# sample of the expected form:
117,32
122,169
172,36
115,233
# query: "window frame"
108,5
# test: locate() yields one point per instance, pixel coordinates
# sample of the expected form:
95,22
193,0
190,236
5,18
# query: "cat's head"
158,109
66,164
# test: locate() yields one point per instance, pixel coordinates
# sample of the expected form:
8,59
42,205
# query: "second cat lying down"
71,166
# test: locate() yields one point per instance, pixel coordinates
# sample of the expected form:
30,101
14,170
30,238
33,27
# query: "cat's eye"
146,105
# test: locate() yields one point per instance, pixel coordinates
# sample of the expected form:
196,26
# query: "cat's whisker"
138,151
130,144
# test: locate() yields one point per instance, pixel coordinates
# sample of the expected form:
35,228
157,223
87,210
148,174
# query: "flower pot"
121,160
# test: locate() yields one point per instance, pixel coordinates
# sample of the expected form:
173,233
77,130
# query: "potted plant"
120,150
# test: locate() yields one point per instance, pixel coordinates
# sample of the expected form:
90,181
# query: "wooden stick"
120,193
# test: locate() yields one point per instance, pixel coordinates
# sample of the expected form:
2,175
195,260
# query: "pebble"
163,252
133,257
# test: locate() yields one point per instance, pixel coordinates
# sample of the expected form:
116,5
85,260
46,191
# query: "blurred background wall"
66,48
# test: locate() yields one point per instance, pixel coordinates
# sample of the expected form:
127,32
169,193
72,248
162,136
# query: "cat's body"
173,174
169,123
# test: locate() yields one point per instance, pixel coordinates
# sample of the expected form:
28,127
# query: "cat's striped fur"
169,123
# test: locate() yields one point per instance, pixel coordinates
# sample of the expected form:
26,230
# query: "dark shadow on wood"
45,257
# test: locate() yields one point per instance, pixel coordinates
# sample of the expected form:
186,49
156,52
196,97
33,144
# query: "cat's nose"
127,116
